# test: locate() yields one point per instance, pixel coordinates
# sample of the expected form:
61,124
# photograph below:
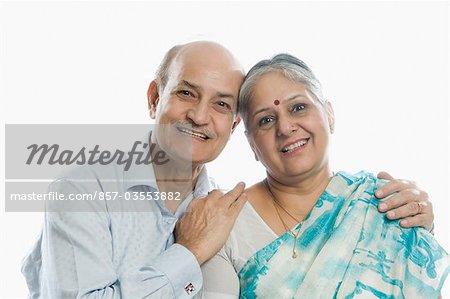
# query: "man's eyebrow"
191,85
219,94
224,95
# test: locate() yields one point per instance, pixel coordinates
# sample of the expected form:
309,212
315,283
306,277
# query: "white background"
384,66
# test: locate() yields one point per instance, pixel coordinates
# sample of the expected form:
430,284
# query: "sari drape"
347,249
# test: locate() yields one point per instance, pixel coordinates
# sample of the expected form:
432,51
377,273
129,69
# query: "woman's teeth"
294,146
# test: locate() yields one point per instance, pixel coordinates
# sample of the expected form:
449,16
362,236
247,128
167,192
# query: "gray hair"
289,66
162,73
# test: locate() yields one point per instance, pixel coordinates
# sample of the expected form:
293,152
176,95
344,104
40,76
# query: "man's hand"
206,226
409,203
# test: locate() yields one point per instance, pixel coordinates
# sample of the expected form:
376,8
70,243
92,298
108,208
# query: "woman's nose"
286,126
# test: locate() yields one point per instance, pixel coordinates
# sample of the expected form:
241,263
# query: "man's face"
198,105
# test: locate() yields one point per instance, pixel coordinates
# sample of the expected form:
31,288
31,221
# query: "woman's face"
288,129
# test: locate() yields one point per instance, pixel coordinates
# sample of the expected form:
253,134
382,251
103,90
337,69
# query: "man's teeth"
294,146
189,132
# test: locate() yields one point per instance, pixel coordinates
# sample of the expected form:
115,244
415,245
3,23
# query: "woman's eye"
265,120
298,107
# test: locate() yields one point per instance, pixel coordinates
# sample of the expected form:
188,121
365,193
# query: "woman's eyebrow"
295,96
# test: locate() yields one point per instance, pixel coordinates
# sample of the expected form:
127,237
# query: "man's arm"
408,202
77,261
77,252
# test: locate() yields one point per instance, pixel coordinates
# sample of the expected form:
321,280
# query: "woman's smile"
294,147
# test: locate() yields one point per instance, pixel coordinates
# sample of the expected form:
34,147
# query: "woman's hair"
289,66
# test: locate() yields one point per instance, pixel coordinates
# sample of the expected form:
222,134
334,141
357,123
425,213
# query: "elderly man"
109,254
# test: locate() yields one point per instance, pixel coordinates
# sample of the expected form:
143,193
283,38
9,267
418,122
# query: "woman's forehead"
277,92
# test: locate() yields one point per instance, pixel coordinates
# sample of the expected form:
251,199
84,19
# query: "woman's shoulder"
361,181
356,177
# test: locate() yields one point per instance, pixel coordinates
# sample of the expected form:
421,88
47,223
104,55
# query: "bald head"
201,52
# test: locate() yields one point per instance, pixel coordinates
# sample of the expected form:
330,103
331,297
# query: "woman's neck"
300,198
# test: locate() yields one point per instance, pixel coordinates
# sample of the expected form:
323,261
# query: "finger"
239,203
231,196
407,210
213,194
394,186
400,199
418,220
384,176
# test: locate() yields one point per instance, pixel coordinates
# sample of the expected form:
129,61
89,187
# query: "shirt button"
170,221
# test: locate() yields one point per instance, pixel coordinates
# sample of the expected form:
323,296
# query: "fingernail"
403,222
391,214
382,207
378,193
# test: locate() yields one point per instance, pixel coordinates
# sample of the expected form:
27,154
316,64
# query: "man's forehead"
207,56
204,75
213,68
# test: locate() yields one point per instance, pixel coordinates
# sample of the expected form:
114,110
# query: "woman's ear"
330,116
250,141
152,99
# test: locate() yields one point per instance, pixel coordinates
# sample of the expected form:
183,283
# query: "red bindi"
276,102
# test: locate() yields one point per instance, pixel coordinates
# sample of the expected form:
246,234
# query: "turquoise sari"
347,249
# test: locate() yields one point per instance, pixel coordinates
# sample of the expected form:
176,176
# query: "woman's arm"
220,280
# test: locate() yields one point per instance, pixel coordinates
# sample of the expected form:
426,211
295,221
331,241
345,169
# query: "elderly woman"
307,232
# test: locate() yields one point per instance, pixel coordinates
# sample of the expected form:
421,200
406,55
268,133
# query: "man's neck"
176,177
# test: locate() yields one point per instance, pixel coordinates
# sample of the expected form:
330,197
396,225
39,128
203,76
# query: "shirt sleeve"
75,260
179,272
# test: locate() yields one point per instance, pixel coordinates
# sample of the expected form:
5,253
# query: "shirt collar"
203,185
141,174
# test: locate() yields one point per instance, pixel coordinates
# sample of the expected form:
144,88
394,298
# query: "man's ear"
152,99
236,122
330,115
251,144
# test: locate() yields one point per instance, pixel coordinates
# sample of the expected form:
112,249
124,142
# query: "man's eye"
185,93
298,107
224,105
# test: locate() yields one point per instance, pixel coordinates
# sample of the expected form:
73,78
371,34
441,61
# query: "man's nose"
199,113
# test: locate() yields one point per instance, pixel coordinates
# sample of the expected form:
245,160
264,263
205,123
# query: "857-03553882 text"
108,195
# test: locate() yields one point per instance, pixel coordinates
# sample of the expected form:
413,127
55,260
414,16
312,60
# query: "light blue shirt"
109,251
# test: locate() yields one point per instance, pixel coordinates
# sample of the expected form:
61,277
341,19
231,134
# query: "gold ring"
420,206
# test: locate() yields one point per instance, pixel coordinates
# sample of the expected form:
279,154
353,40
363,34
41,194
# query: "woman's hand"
409,202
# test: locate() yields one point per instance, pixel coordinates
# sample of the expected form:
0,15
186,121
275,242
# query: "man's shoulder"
90,175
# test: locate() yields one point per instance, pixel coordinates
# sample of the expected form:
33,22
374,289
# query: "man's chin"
202,158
